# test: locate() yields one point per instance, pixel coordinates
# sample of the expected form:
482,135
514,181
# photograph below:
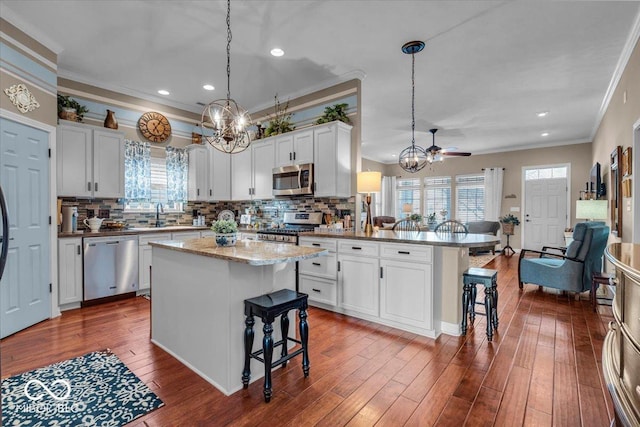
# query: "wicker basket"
507,228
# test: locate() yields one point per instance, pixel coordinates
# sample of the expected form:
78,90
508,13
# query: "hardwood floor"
542,368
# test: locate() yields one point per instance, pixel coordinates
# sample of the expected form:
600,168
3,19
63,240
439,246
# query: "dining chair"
451,226
406,225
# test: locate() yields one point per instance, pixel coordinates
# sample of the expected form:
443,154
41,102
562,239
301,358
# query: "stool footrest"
259,352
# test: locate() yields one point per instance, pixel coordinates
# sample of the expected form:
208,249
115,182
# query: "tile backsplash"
266,210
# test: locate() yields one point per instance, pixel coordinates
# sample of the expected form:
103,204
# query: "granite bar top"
245,251
415,237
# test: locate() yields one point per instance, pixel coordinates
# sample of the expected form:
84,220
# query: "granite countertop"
421,238
143,230
625,256
134,230
245,251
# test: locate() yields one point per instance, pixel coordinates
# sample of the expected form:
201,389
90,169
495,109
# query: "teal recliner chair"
570,271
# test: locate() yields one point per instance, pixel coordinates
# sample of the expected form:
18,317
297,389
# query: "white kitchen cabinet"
70,271
318,289
332,160
406,292
90,161
294,148
144,258
185,235
219,174
358,284
241,175
324,266
263,153
198,184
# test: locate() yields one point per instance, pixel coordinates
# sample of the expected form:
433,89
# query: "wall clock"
154,126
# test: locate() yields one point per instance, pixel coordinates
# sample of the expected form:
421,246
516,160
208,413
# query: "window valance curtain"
493,193
177,174
137,166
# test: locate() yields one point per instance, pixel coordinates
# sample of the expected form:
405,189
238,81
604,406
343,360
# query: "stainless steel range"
294,224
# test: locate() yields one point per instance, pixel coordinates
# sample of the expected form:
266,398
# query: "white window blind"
408,191
470,198
437,195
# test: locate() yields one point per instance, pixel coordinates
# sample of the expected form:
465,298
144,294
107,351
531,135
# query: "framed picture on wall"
626,162
616,191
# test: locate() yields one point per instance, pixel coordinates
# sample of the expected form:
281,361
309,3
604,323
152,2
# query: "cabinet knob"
95,186
316,263
88,186
316,290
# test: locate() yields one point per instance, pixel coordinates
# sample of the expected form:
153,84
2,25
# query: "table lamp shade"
407,208
369,182
592,209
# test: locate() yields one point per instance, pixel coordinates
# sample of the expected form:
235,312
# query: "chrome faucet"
159,208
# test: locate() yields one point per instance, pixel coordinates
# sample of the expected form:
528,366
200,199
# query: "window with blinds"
158,190
407,192
437,195
470,198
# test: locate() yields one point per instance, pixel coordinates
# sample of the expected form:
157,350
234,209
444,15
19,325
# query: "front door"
24,176
545,207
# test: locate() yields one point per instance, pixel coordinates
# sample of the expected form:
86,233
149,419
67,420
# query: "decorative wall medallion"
22,98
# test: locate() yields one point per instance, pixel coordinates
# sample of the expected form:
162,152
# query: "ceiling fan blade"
455,153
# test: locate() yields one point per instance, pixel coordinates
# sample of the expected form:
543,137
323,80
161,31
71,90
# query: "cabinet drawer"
324,266
144,239
319,290
358,247
328,244
418,253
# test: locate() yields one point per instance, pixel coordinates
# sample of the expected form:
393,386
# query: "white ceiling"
486,70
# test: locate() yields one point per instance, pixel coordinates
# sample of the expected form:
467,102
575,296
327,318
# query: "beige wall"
616,129
81,90
34,51
578,156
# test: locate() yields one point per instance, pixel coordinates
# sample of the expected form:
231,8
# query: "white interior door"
24,176
545,210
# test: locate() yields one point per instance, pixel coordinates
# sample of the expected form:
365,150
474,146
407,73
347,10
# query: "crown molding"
11,17
632,40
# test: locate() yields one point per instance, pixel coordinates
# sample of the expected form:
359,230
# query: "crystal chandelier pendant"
225,126
224,123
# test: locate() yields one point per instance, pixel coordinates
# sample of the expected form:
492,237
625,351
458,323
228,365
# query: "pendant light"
413,158
224,122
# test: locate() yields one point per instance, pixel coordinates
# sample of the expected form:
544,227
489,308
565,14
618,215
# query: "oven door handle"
299,178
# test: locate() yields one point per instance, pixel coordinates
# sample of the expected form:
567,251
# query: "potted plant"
70,109
337,112
281,123
416,217
509,221
226,232
431,221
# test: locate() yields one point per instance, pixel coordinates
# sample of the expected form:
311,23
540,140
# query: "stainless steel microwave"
293,180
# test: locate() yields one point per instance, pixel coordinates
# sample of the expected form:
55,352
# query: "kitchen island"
408,280
197,301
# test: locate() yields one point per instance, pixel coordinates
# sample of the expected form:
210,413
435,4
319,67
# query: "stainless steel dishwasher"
110,266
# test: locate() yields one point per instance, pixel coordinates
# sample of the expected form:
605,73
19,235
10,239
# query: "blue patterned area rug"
96,389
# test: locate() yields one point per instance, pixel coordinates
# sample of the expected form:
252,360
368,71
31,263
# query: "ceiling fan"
435,153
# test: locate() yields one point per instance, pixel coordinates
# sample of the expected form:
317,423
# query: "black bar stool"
489,279
268,307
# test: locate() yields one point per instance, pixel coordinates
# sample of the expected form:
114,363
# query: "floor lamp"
367,183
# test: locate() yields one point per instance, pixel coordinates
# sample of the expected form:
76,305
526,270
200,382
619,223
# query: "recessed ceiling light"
276,51
393,155
544,134
542,114
208,87
163,92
